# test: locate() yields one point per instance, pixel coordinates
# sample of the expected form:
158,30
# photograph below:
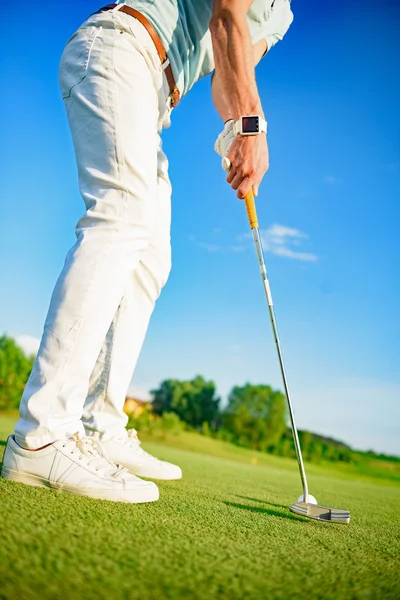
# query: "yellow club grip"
251,209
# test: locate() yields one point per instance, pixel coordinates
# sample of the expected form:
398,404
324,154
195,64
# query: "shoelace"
96,459
133,441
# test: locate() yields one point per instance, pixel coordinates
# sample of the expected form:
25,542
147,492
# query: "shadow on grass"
260,501
266,511
3,442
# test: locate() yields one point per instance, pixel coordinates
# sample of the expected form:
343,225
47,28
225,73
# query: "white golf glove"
225,139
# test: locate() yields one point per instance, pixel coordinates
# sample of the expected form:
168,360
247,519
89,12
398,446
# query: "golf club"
306,505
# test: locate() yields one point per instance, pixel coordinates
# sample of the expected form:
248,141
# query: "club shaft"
264,276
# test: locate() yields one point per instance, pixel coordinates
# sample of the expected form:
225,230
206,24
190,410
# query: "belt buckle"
175,97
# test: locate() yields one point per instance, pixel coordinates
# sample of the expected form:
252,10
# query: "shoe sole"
148,475
128,496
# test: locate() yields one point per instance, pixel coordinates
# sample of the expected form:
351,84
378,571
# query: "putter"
306,506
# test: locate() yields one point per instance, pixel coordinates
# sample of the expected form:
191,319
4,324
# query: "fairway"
223,531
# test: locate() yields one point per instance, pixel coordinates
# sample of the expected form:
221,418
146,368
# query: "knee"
116,230
154,269
165,266
118,217
160,262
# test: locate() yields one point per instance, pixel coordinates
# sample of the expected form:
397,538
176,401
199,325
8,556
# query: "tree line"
255,416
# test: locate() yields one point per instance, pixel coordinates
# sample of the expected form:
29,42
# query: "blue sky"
328,208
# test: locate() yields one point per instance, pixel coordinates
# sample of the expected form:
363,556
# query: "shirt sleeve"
279,21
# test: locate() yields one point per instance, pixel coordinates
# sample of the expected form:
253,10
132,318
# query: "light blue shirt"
183,27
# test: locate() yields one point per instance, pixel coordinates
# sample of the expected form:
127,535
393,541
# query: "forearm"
234,88
222,106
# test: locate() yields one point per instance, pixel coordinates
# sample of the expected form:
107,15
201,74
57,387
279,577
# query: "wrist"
235,114
247,108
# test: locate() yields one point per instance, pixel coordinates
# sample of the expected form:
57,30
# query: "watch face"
250,125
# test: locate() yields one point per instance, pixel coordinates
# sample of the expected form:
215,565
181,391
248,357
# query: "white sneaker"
76,465
126,451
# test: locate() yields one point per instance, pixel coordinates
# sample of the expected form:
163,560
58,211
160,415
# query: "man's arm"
259,49
235,91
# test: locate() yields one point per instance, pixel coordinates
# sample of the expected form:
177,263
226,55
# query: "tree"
193,401
256,416
15,368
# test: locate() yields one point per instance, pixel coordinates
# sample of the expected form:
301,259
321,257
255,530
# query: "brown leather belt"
166,65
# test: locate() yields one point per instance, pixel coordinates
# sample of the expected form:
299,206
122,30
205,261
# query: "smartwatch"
250,125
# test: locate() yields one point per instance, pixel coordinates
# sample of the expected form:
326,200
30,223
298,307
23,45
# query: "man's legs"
103,415
112,106
103,412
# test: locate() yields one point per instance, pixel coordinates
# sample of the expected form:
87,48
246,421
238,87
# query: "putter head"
321,513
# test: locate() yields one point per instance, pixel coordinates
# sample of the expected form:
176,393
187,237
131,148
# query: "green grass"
224,532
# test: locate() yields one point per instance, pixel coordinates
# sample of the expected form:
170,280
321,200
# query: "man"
120,76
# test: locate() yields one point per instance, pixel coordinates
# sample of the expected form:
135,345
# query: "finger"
231,175
244,187
256,187
228,161
236,181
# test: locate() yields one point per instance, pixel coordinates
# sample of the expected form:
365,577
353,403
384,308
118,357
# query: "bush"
224,435
152,424
141,421
170,421
15,368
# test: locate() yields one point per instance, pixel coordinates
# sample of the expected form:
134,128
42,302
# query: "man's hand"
248,156
249,163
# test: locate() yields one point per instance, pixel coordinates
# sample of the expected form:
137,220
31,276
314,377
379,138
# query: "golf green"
223,531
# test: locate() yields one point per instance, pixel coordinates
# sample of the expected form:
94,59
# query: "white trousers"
116,98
